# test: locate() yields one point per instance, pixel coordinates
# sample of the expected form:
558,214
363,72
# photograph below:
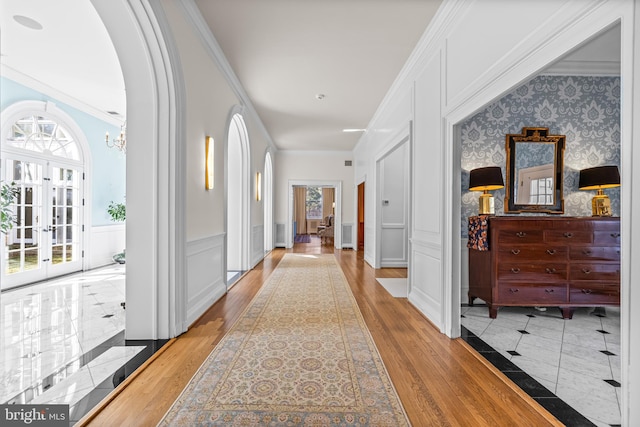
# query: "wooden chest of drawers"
564,262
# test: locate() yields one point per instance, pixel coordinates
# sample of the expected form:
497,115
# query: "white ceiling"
284,52
71,54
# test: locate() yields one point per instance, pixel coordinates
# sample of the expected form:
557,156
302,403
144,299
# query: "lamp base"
601,205
486,206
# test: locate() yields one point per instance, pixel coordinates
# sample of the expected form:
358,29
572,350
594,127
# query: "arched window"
44,136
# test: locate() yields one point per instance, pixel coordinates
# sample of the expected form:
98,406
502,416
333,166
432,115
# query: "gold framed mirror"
535,166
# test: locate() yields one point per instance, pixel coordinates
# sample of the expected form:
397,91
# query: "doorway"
45,163
237,199
268,203
361,216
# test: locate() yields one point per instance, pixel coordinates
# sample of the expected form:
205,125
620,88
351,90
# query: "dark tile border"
87,403
552,403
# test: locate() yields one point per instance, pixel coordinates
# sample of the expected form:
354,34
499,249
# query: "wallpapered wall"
585,109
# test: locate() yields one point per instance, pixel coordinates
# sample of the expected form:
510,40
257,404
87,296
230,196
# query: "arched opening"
268,203
237,198
43,155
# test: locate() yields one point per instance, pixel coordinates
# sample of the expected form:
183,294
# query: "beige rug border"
358,314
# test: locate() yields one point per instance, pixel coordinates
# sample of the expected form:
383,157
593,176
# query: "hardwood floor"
440,381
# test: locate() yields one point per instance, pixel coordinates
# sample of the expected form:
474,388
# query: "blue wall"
108,164
585,109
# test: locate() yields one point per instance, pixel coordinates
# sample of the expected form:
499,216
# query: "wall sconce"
486,179
258,186
599,178
208,165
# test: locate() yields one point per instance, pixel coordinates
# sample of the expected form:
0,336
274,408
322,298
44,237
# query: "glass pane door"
65,218
46,241
23,244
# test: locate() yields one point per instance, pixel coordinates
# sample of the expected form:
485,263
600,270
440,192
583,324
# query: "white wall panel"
427,155
393,251
205,275
257,239
486,32
104,242
426,281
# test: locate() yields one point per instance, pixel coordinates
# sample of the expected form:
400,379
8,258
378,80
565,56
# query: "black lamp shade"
489,178
599,177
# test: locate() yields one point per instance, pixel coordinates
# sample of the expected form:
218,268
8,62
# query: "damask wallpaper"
585,109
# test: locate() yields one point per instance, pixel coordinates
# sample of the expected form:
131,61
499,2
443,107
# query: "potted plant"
8,195
118,213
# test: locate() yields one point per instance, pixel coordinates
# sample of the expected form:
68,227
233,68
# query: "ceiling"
310,67
72,52
286,54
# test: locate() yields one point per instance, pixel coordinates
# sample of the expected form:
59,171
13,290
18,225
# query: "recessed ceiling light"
353,130
320,96
27,22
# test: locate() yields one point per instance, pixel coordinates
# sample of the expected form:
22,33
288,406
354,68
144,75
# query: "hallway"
439,381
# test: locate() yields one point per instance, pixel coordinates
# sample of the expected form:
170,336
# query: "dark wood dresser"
563,262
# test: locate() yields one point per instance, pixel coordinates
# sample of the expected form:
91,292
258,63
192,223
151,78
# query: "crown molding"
59,96
584,68
215,52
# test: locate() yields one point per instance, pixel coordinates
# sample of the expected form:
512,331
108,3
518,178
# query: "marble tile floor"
63,341
571,367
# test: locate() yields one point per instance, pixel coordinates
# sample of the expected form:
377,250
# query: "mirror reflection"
534,171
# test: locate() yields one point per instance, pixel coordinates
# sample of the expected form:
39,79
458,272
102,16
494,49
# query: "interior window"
314,202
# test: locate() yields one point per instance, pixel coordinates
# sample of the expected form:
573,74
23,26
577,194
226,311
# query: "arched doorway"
237,198
268,203
44,153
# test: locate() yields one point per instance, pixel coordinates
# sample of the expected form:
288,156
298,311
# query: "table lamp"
486,179
598,178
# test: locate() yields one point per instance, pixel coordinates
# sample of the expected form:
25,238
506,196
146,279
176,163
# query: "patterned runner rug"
300,354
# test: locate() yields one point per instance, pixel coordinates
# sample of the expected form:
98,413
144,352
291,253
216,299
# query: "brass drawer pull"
551,270
586,291
615,235
586,271
515,251
513,290
521,234
549,291
515,270
568,235
551,251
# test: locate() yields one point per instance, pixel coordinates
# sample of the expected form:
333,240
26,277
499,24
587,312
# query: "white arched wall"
155,294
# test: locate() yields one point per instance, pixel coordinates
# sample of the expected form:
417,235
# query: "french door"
47,239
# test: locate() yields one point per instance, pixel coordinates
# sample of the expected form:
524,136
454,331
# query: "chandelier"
121,141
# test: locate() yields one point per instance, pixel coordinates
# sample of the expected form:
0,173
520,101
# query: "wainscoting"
257,242
205,275
425,287
104,242
280,236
